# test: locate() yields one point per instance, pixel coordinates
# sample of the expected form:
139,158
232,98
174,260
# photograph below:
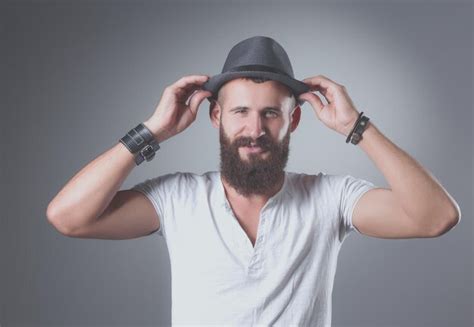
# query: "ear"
295,116
215,113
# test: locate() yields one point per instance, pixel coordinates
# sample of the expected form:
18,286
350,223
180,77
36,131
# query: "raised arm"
416,204
90,205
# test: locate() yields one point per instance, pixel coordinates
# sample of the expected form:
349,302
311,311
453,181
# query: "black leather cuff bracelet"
359,127
147,153
137,138
140,142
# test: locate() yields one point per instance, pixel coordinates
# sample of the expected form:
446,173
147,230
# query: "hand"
178,107
340,113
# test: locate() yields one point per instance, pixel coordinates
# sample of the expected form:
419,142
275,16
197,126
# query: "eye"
272,113
239,111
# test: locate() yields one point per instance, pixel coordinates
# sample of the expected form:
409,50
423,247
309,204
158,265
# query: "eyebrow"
266,108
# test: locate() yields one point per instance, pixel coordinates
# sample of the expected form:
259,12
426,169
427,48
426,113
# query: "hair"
256,80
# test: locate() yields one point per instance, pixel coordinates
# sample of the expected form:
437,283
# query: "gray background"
77,76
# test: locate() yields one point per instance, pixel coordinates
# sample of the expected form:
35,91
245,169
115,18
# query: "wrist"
158,132
355,135
349,127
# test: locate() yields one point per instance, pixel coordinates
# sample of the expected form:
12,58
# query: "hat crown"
258,53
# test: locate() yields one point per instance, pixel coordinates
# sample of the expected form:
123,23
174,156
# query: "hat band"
257,68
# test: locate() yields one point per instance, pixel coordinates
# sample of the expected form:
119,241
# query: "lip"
253,149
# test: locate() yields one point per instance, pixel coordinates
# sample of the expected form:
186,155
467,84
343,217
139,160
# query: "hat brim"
215,82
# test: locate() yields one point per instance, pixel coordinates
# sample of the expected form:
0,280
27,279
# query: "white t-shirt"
218,277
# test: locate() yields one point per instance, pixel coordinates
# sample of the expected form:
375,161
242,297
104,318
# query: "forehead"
241,92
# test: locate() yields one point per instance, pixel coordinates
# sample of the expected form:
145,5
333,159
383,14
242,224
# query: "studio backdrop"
76,76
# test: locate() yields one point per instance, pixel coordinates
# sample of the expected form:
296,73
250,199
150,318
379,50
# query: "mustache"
263,142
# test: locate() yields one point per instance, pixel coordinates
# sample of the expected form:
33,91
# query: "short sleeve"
351,190
159,190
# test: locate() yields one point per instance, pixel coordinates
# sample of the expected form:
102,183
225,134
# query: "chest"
248,219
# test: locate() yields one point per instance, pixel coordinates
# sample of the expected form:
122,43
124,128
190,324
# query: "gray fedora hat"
257,56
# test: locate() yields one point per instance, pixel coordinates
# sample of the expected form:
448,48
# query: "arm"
89,205
94,189
415,204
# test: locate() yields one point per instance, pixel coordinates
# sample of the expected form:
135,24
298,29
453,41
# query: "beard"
256,174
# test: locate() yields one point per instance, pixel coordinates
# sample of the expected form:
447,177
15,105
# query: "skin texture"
415,204
254,177
253,174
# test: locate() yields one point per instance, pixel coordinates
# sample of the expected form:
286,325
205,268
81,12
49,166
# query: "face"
255,121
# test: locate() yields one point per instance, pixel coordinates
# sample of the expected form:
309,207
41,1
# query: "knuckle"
172,89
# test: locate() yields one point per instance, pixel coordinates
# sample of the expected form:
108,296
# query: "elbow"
56,221
449,223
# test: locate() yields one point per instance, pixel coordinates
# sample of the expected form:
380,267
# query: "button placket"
243,241
257,259
252,254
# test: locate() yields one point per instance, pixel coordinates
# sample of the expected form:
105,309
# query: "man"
252,243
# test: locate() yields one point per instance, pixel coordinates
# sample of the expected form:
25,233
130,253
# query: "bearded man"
253,244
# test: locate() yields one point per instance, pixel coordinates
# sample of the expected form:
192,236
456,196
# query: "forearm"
422,197
88,193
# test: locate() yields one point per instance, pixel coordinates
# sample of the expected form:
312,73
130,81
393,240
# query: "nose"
255,126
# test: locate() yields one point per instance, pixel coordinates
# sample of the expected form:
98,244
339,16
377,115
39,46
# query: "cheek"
282,133
231,126
282,130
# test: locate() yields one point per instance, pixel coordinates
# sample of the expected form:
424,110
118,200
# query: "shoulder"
320,182
330,180
188,179
303,179
301,183
169,181
178,184
344,180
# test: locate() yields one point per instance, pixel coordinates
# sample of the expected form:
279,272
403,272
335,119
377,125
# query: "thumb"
314,100
196,100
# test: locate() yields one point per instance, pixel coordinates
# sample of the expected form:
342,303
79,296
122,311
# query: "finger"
326,95
323,85
196,100
314,100
190,80
187,91
184,87
320,80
